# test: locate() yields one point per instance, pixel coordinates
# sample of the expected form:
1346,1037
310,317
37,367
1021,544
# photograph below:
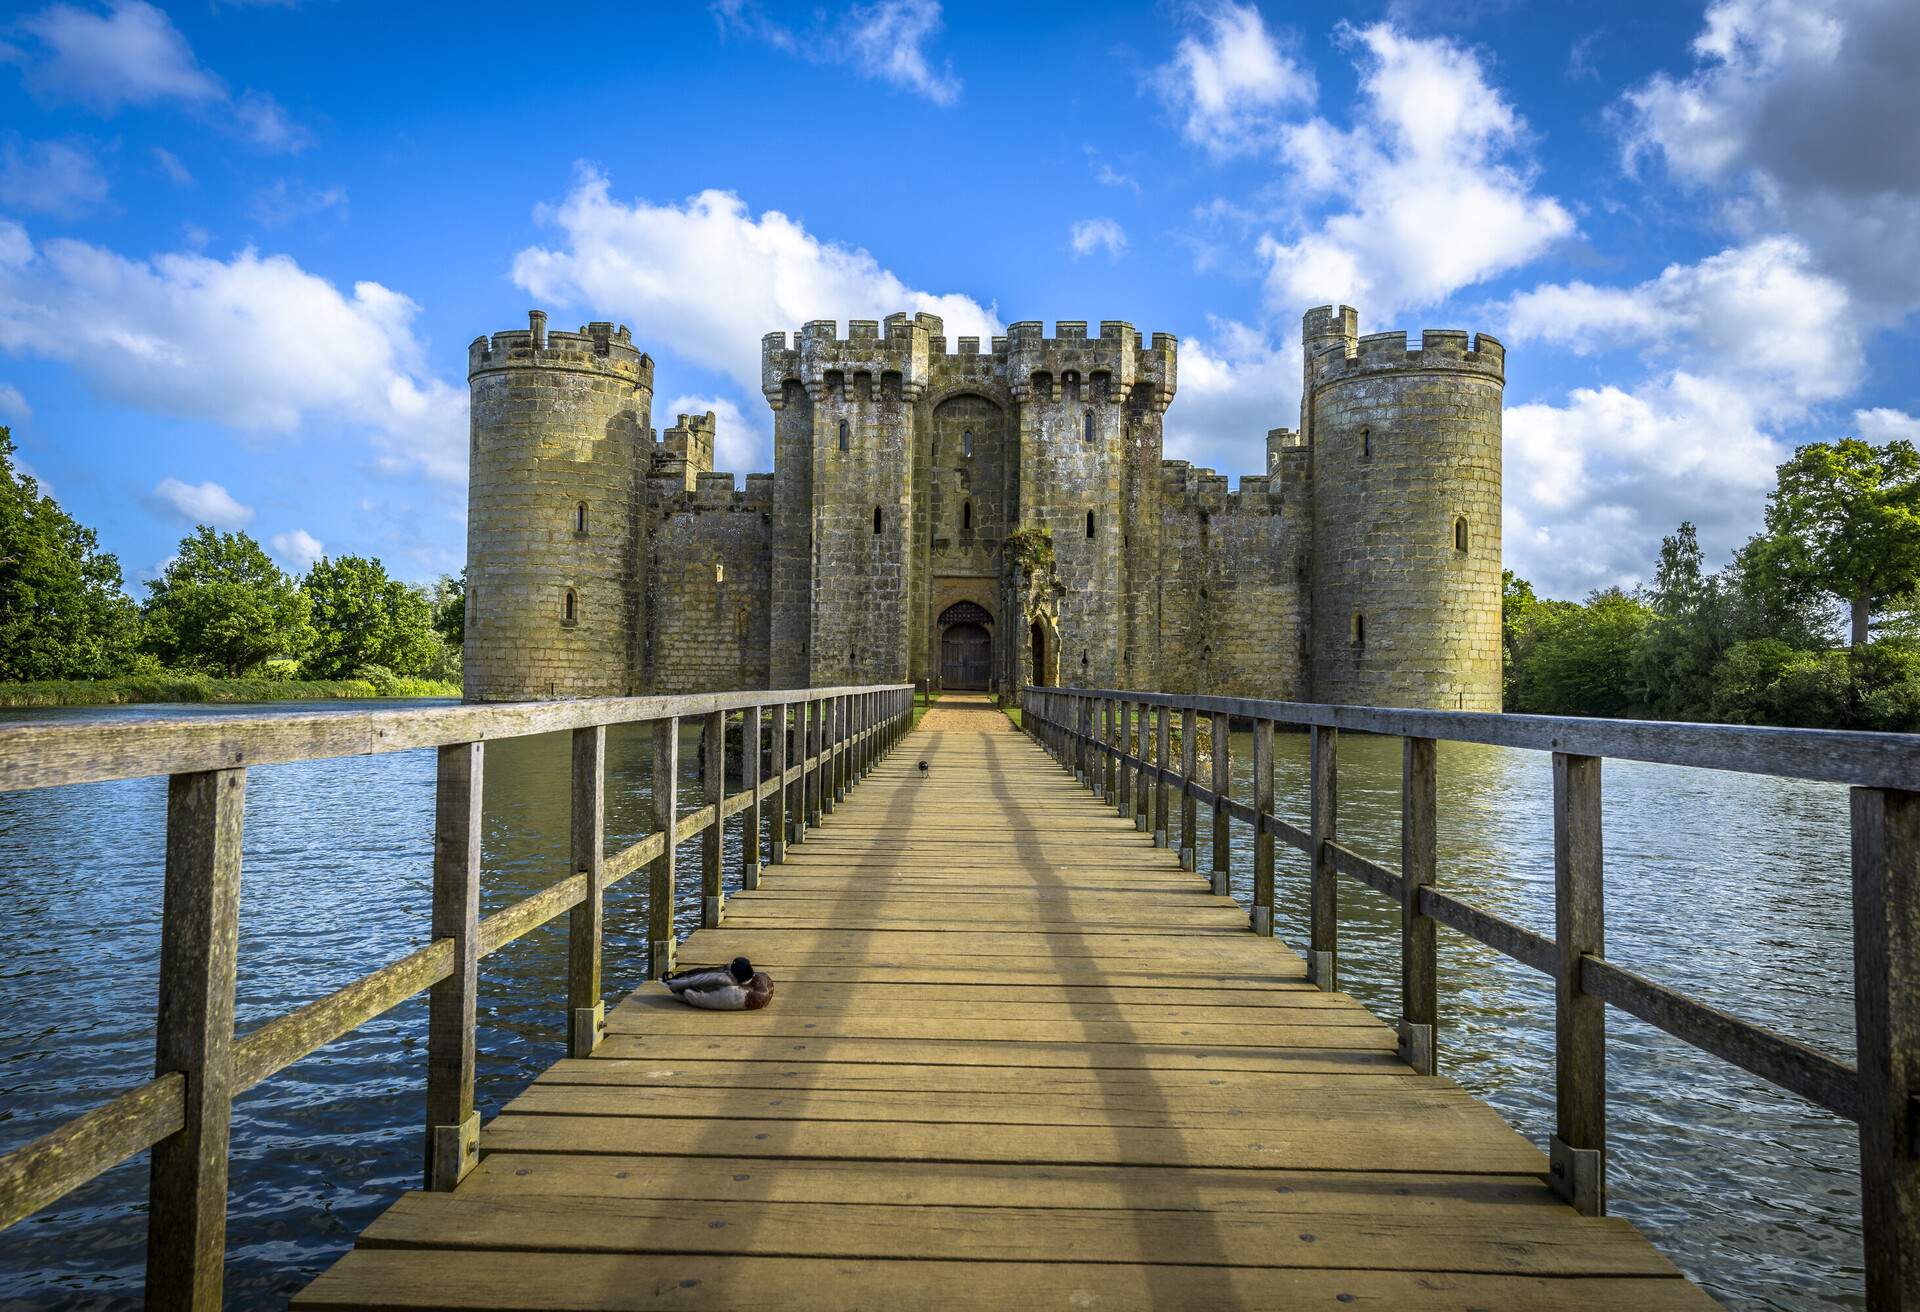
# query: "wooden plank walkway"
1015,1057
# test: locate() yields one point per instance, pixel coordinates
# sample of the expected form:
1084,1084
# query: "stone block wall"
710,577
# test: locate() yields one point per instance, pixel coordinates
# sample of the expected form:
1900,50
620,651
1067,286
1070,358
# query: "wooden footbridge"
1020,1051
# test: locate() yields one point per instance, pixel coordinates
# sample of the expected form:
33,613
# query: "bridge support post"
660,874
1419,1004
1262,828
1123,742
781,806
1108,785
1189,762
586,1009
817,752
750,749
193,1036
1323,898
1578,1152
1143,753
714,768
1161,725
1886,965
1222,791
453,1126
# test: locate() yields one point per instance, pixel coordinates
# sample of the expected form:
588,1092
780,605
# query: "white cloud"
886,40
1798,113
254,342
1884,424
171,166
50,177
1235,384
133,55
712,280
12,404
130,55
1090,235
298,550
1227,82
1431,194
1760,315
285,201
742,442
202,503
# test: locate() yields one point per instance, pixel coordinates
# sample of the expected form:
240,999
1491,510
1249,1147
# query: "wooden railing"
823,740
1116,742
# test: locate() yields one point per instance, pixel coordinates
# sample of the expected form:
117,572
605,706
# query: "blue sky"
243,246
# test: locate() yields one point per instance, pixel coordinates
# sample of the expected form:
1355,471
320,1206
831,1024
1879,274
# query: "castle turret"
560,442
1405,453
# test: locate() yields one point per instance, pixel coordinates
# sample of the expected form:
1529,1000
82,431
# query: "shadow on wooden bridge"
1016,1056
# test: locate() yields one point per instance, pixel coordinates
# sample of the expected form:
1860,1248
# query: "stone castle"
985,518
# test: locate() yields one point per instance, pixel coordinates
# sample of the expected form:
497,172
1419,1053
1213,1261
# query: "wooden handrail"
1090,729
183,1113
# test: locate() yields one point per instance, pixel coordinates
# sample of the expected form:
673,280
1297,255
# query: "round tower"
561,444
1405,449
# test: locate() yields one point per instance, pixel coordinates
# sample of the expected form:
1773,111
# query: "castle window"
876,519
580,519
846,436
1088,426
966,444
719,571
1357,636
570,607
966,517
1089,523
1366,444
1460,533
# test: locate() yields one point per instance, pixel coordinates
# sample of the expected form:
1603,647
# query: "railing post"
1419,1008
660,875
810,772
453,1126
1578,1153
586,1009
829,760
842,721
193,1034
781,807
1886,1008
1262,828
750,776
712,886
1109,786
1189,805
1323,897
1161,726
1222,790
1143,753
1123,789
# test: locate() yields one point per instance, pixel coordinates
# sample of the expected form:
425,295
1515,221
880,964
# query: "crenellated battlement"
1191,489
892,354
598,347
716,493
1446,350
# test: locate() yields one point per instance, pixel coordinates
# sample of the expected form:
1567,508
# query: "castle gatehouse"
983,518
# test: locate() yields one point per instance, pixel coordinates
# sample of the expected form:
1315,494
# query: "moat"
1750,1190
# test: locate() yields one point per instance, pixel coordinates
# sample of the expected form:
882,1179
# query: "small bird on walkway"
736,986
923,767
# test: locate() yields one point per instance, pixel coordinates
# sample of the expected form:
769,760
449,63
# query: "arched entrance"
966,647
1038,636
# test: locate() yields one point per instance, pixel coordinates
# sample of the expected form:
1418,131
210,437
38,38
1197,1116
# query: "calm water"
1732,889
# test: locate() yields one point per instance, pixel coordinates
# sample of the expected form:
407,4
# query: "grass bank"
922,703
198,688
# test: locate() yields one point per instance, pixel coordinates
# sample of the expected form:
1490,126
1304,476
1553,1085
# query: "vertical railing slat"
1222,791
1262,828
1578,1154
453,1126
586,1009
661,878
1123,744
1886,966
713,765
1189,805
193,1035
1323,893
1419,1006
778,821
751,746
1160,760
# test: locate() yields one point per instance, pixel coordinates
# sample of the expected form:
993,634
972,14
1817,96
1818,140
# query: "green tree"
63,613
449,602
222,607
1521,614
1844,519
1581,658
362,618
1690,631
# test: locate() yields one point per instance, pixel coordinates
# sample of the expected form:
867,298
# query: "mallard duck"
736,986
